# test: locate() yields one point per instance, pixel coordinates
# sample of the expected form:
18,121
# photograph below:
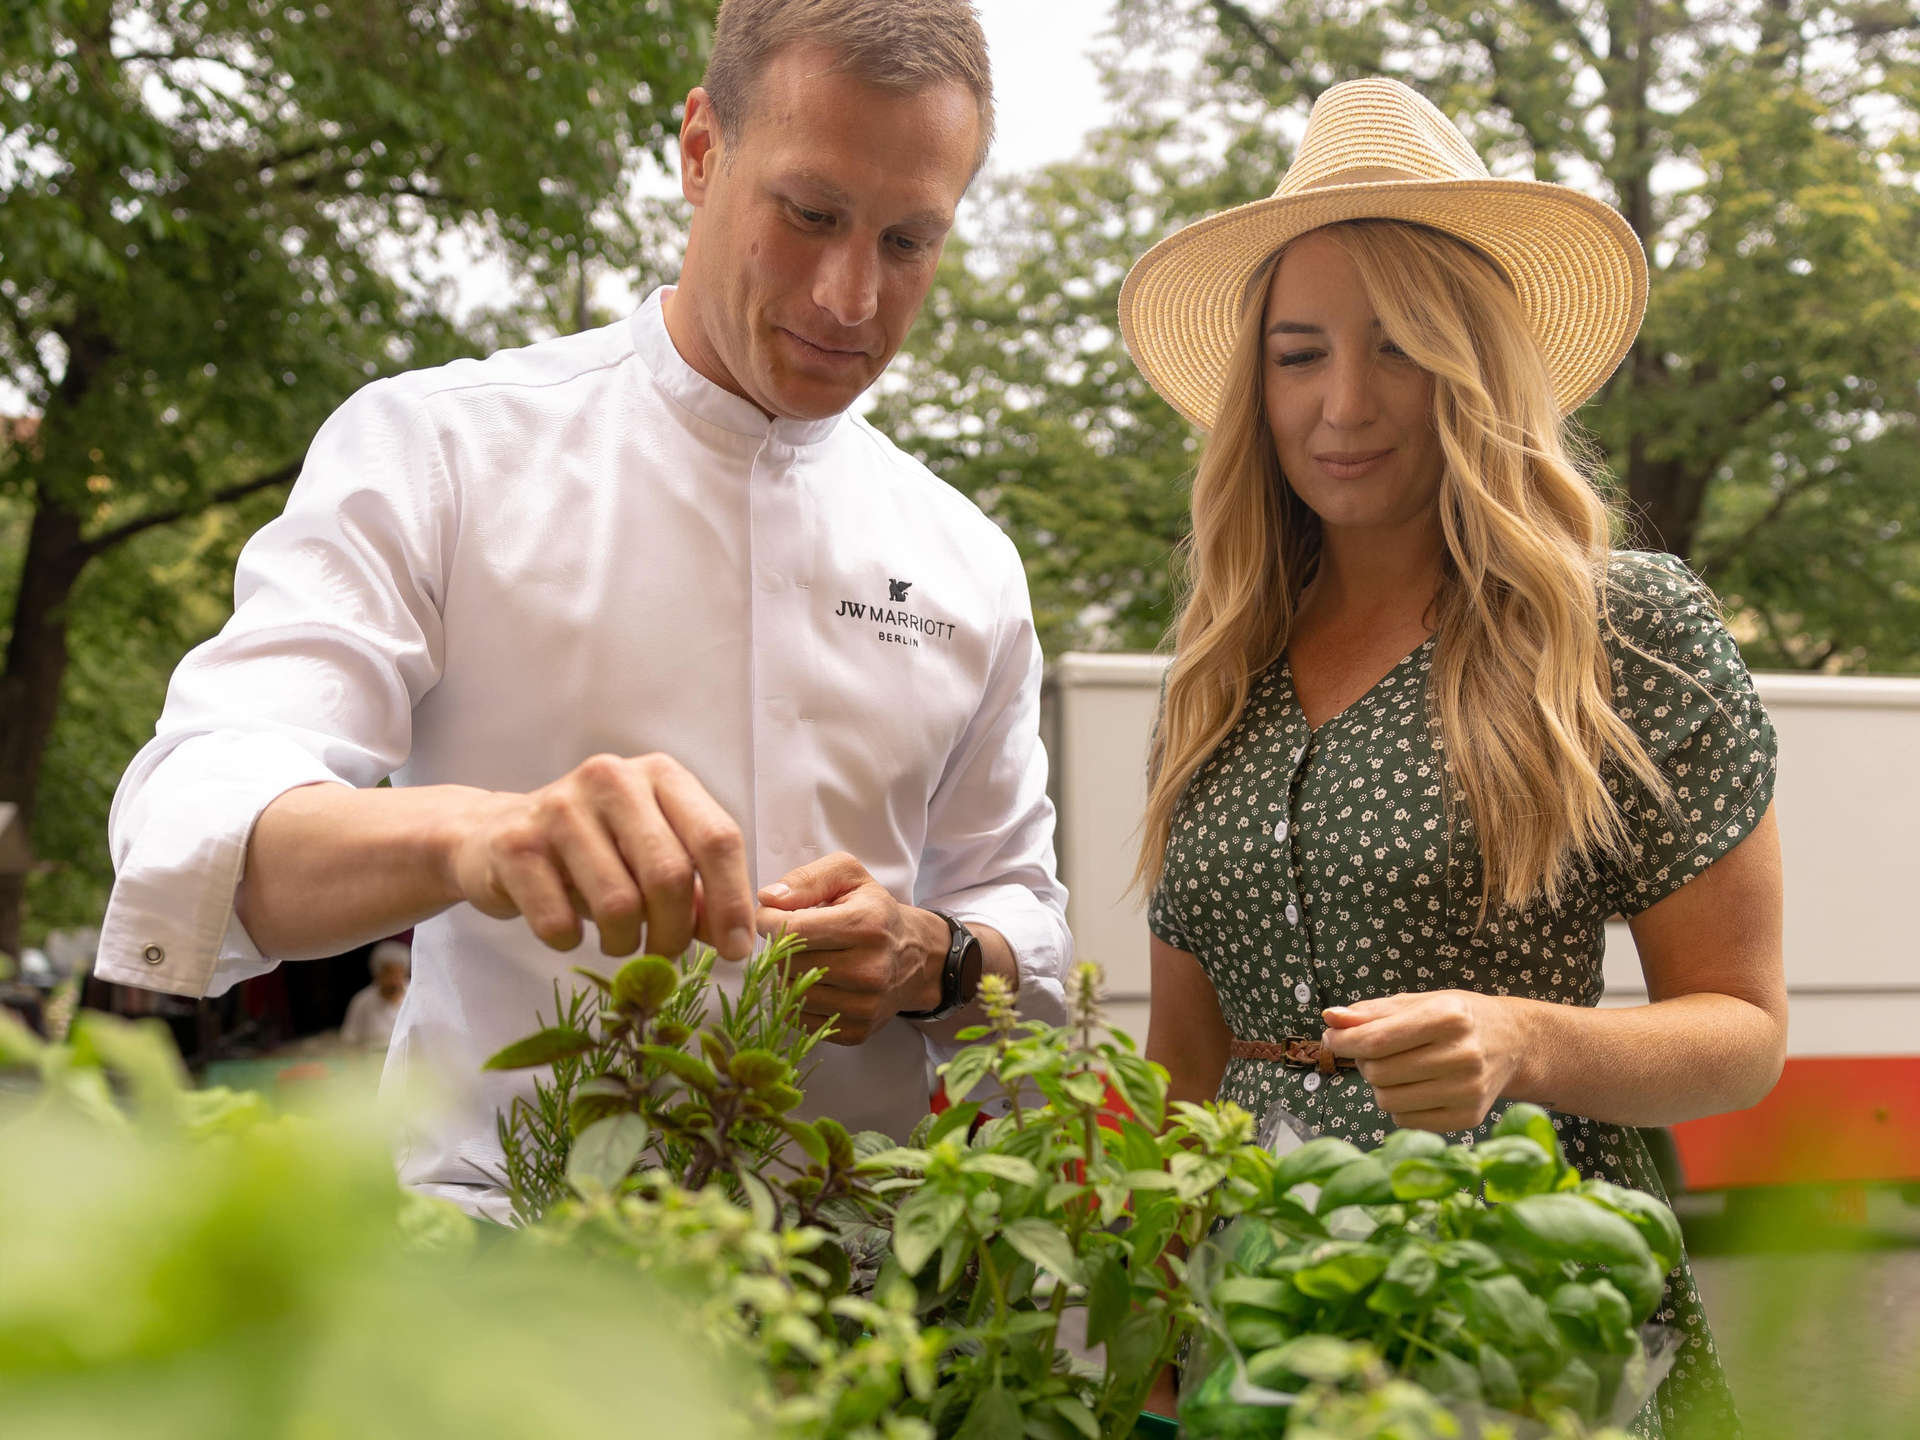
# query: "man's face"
816,231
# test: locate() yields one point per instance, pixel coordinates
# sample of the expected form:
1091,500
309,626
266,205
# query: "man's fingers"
538,893
599,882
718,857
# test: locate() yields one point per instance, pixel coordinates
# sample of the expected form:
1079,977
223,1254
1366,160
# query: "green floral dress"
1313,867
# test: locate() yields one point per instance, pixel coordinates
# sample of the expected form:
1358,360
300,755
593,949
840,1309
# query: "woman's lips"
1351,464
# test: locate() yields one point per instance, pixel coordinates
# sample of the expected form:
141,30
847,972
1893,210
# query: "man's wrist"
927,948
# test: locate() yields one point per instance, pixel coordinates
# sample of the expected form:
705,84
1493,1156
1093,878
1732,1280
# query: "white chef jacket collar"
693,392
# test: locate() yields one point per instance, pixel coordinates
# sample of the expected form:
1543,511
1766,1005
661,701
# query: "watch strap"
959,973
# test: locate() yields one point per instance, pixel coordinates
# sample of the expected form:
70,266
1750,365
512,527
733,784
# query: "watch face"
972,959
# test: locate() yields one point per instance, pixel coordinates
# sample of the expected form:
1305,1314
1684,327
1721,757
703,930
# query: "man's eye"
811,217
907,245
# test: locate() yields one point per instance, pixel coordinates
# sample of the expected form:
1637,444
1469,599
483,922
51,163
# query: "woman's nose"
1350,401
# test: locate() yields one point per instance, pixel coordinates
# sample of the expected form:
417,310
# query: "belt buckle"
1303,1052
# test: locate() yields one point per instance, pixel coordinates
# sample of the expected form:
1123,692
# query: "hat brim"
1574,262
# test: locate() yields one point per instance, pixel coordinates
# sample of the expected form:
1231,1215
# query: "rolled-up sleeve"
990,854
334,638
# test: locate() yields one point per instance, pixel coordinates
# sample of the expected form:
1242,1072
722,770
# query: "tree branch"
29,352
1789,492
107,539
1238,16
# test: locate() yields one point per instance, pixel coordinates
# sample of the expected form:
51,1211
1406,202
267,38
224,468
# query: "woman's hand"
1437,1060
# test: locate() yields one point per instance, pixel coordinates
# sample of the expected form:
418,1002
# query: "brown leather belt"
1297,1051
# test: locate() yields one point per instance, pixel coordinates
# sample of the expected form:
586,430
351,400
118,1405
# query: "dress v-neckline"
1293,693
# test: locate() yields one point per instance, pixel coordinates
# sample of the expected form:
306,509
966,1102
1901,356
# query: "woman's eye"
1295,357
1389,348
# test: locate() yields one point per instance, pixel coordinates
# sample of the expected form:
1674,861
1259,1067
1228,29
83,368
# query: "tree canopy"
222,217
1764,424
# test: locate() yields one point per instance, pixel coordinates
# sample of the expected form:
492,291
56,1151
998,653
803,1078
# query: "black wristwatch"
959,977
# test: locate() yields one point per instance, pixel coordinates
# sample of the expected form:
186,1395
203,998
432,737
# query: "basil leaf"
1514,1166
1047,1246
1433,1177
923,1225
1363,1181
556,1042
605,1151
1410,1144
1313,1162
1410,1278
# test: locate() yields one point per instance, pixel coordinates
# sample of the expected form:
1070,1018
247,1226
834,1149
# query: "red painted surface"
1830,1120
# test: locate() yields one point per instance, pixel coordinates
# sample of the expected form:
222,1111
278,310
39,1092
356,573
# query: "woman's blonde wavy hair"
1521,690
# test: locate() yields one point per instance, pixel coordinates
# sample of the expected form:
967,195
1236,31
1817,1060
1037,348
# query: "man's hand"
1436,1060
627,842
881,957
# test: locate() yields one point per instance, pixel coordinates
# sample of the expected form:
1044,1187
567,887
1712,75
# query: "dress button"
153,954
1312,1082
1293,913
1303,992
1298,753
1280,832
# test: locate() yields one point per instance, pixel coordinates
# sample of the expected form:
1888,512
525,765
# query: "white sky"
1046,90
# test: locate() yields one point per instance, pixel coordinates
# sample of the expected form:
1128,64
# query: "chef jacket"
490,571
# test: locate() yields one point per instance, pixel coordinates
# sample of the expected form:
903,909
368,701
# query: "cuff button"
153,954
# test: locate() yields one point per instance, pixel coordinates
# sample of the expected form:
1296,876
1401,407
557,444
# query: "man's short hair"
901,45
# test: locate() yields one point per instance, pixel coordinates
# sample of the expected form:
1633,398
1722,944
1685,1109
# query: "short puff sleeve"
1678,680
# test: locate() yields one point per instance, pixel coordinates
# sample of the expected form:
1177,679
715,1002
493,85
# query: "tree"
1765,152
221,217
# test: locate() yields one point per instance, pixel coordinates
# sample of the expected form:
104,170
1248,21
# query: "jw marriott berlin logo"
896,626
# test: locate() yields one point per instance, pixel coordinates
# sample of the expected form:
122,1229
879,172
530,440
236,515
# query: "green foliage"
1765,154
657,1070
183,1264
1519,1287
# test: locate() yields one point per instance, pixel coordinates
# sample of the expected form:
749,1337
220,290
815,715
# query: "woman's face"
1351,416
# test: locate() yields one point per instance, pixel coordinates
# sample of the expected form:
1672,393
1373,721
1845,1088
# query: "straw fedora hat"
1376,149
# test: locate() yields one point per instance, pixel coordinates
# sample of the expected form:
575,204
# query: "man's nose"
1350,401
847,284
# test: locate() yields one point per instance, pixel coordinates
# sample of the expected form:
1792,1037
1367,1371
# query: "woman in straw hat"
1425,730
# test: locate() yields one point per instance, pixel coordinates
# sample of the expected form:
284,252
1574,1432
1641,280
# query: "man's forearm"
330,867
1655,1064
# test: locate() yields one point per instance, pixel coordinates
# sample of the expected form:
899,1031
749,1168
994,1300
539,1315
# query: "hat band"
1361,175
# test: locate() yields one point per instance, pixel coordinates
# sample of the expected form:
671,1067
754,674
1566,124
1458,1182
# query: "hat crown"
1367,131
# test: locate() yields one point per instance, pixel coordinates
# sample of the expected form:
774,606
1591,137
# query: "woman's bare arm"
1184,1030
1711,1038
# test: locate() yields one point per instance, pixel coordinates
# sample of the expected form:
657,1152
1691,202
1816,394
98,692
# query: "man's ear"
700,146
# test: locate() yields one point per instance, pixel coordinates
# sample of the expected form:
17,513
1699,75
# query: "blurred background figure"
371,1013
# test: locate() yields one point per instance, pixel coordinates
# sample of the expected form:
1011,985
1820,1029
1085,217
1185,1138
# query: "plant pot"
1155,1427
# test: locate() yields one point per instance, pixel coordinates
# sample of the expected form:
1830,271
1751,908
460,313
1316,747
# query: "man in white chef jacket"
637,621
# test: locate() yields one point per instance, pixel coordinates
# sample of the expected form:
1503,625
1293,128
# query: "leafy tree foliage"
221,217
1765,153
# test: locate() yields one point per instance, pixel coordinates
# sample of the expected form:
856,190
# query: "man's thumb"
819,882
